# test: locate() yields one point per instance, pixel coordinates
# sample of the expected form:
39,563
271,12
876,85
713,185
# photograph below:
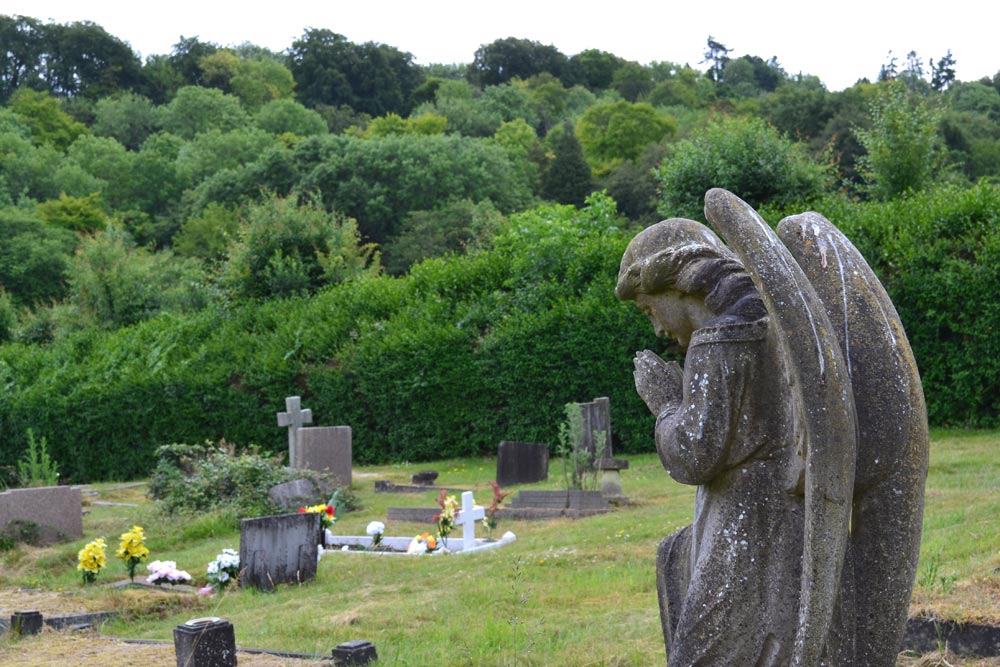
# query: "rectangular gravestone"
326,449
278,549
54,512
522,463
596,416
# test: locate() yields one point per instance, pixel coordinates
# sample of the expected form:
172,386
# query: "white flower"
375,528
345,548
417,547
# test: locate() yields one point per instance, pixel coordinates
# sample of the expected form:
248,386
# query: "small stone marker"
355,652
294,417
522,462
326,449
205,642
278,549
611,478
425,477
467,518
26,622
290,496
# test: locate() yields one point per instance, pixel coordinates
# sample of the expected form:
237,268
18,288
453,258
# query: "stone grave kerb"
294,418
467,518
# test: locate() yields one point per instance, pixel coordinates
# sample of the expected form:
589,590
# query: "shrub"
743,155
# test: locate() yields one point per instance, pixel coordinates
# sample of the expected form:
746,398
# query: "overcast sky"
839,42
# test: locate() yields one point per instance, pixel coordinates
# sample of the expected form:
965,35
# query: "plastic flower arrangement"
375,529
326,514
422,544
489,516
445,519
91,560
132,550
166,572
224,569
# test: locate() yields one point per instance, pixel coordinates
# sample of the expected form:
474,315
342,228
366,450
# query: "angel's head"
682,276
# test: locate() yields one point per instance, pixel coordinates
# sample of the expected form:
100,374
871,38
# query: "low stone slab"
573,499
426,514
56,511
965,639
384,486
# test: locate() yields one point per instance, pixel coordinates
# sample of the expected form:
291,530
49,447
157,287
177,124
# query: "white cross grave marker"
294,418
468,517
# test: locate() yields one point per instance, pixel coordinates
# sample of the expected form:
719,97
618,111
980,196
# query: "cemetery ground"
566,592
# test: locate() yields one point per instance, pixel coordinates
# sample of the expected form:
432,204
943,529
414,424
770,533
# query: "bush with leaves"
288,247
743,155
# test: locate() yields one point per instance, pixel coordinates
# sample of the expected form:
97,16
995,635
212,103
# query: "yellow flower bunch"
445,519
91,560
132,550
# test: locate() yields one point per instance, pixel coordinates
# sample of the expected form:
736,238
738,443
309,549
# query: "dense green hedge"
466,351
449,360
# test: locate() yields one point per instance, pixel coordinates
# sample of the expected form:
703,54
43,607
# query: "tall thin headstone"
293,418
596,418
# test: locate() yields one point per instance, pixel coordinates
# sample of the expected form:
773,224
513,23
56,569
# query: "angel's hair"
686,256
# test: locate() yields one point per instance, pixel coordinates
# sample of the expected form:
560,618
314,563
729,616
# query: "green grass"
565,593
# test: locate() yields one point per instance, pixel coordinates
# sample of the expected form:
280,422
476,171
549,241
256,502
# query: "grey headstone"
278,549
356,652
522,462
57,511
205,642
596,416
296,493
326,449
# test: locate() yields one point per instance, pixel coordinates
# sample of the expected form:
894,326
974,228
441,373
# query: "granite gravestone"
522,463
765,418
278,549
326,449
205,642
56,512
595,421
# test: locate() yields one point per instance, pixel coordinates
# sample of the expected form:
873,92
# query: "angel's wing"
892,430
822,388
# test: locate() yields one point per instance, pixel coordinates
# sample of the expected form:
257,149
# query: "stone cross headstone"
205,642
278,549
326,449
596,417
522,462
293,418
467,518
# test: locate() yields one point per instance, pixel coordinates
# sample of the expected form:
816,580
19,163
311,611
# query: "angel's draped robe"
729,583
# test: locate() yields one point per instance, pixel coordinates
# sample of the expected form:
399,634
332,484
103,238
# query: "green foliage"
567,178
78,214
41,113
285,115
209,234
128,118
902,143
286,247
195,110
505,59
745,156
577,462
34,257
210,477
612,131
8,317
36,467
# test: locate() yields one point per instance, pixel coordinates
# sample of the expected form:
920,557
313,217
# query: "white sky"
839,42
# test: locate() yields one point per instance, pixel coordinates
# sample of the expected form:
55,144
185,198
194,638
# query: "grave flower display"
490,519
422,544
166,572
375,530
131,550
91,560
327,514
445,519
224,569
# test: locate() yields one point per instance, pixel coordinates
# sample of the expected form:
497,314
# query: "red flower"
330,509
302,510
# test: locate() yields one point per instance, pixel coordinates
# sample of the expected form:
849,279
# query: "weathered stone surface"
205,642
973,640
278,549
356,652
522,462
297,493
26,622
763,418
425,477
326,449
596,417
57,511
293,419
